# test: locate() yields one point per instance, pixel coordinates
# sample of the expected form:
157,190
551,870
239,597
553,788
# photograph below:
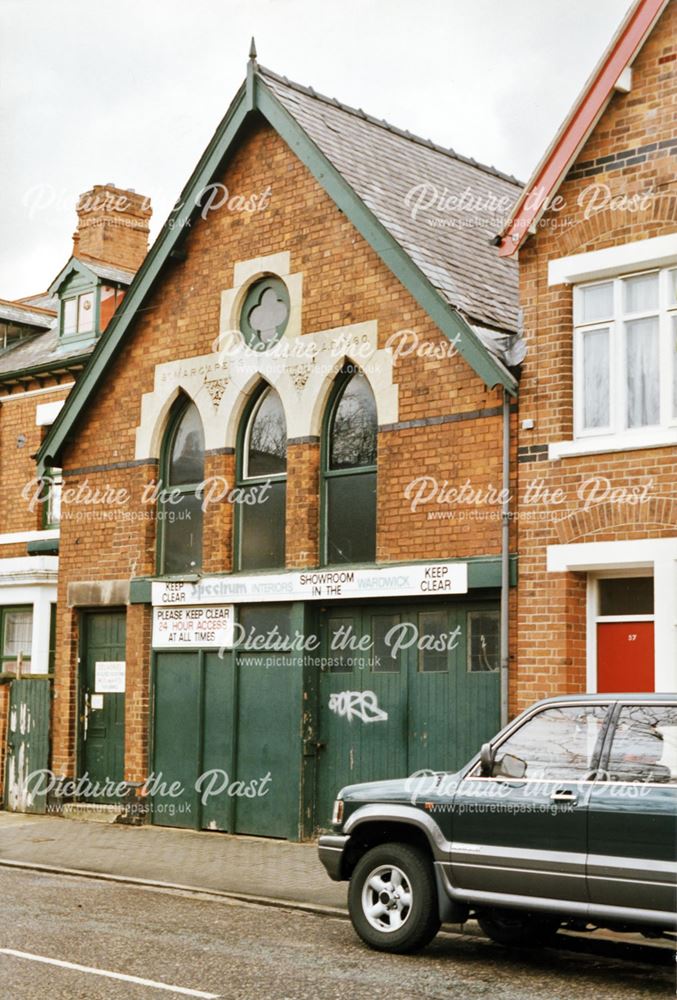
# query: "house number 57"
631,636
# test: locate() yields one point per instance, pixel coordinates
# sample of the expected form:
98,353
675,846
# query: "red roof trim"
581,121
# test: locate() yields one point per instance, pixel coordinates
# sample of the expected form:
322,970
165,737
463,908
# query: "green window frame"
261,515
78,332
483,629
8,659
433,630
268,286
345,483
51,509
179,509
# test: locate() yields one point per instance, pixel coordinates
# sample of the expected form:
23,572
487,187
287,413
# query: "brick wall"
113,226
343,282
20,438
552,612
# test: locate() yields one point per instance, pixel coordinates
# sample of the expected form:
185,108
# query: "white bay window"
625,355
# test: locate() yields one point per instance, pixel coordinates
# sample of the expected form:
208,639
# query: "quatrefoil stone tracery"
267,316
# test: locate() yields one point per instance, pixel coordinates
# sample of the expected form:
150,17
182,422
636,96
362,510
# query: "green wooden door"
424,699
432,689
27,744
362,711
226,743
177,708
102,731
217,743
192,740
266,797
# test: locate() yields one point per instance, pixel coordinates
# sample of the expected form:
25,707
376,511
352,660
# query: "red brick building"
45,343
263,577
596,230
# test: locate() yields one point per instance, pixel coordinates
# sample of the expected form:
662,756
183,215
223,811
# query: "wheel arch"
371,832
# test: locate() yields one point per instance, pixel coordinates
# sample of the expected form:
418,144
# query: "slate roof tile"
384,165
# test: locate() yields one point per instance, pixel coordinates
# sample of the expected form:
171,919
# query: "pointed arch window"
349,471
262,478
182,472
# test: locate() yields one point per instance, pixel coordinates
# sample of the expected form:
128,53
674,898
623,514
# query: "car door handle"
563,795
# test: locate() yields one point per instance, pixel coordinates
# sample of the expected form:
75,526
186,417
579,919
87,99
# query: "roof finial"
252,50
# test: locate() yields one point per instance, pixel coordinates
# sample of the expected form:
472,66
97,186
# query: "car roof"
612,697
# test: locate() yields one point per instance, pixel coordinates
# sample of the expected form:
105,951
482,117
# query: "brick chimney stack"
112,226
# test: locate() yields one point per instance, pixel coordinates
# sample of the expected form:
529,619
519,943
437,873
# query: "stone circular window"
265,313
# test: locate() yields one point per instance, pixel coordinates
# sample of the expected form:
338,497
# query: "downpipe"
505,563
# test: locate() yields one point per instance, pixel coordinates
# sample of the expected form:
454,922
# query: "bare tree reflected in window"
263,479
267,451
180,509
353,432
350,472
557,743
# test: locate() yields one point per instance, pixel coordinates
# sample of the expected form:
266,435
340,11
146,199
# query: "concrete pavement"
244,866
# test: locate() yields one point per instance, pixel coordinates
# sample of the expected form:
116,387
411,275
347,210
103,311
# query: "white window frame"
617,432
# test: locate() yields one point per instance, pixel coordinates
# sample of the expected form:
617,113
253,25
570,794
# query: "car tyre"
514,928
392,898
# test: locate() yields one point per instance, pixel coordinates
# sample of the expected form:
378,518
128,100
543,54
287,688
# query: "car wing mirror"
510,766
487,760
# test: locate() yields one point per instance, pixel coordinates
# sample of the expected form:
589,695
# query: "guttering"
45,368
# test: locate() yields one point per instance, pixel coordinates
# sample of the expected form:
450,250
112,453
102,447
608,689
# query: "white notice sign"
109,676
192,628
438,579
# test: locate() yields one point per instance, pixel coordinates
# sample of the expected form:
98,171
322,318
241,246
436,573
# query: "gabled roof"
388,168
366,167
579,123
93,269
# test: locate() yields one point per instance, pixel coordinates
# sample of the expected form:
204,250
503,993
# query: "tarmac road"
185,945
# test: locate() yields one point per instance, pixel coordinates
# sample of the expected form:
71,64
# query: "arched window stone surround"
301,369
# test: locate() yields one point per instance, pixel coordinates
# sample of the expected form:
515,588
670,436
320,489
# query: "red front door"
625,656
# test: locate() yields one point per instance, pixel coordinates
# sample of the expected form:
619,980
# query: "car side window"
644,746
559,743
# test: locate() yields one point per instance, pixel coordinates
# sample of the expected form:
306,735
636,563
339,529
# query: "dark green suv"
569,816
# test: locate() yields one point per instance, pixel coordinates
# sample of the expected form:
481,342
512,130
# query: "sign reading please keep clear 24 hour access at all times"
188,628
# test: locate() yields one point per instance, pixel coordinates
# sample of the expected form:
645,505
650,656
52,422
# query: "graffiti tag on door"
361,705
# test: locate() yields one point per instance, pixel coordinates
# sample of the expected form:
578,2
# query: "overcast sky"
131,91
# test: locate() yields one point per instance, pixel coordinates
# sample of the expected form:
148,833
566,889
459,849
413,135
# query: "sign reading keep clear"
190,628
435,579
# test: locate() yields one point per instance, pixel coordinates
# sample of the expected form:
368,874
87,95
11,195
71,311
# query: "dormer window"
89,294
78,314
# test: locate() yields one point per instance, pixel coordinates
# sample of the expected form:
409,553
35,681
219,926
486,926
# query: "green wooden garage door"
385,716
226,737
